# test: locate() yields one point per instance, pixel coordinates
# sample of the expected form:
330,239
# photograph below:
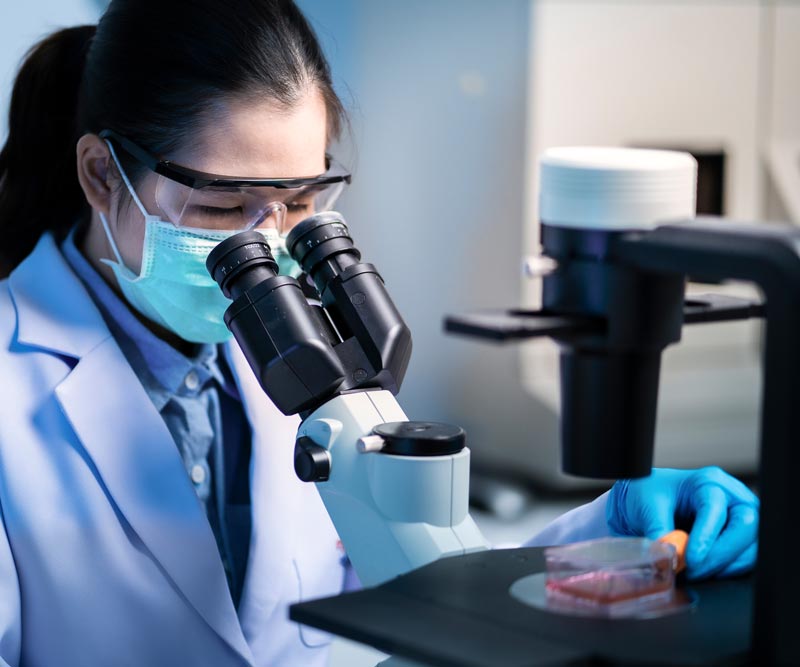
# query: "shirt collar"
163,370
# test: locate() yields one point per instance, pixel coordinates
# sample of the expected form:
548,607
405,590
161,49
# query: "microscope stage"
457,612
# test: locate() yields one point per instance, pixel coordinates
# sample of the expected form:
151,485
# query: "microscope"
620,241
396,490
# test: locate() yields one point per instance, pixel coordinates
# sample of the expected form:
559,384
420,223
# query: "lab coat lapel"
142,470
123,434
275,494
54,312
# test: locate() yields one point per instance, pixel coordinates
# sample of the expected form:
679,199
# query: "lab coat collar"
54,311
134,454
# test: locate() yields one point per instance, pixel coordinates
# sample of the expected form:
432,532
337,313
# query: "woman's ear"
94,171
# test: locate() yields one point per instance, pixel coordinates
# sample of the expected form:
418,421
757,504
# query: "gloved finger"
739,533
744,563
657,516
737,490
711,512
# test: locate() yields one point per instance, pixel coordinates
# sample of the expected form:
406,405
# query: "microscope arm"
393,512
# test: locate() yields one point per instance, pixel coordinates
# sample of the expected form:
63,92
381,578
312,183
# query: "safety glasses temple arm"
199,179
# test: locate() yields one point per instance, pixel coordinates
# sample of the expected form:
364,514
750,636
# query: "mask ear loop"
111,241
126,180
132,192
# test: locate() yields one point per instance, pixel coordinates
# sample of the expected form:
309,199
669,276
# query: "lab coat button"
198,474
192,382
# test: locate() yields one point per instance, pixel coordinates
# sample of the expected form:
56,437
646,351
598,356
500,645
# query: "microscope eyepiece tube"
241,262
323,247
355,298
281,337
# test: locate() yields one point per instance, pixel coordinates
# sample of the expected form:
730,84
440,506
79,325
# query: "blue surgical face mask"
173,288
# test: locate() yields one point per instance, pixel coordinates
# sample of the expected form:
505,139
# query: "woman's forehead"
260,139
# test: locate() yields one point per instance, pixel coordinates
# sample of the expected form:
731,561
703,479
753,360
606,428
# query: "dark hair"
150,70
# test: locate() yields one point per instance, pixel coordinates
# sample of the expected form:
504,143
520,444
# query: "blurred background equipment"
711,78
455,99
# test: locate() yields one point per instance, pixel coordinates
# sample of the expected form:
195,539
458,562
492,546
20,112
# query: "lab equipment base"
457,612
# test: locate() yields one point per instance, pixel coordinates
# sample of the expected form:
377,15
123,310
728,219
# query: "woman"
149,514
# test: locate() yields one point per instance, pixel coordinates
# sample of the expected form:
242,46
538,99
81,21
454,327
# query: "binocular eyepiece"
304,354
241,262
323,247
286,346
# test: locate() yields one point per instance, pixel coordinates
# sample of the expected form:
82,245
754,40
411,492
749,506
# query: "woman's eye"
216,211
296,207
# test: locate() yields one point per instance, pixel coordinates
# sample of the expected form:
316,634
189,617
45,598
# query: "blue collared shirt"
198,399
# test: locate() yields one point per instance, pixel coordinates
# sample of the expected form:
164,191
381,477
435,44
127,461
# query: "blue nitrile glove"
722,513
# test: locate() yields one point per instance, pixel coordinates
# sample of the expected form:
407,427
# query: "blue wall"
439,90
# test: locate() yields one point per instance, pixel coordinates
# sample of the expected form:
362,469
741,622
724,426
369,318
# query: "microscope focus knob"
421,438
312,463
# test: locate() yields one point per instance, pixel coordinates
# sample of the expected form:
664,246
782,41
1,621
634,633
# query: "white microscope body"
393,513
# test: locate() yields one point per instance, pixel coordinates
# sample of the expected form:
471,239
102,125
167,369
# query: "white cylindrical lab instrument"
608,188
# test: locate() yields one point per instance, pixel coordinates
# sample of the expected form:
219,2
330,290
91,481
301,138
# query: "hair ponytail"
39,187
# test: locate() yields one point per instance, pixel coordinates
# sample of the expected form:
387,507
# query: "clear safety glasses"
189,198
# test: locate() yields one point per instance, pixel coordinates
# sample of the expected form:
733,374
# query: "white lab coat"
106,555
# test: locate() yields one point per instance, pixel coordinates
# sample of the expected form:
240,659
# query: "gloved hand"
722,513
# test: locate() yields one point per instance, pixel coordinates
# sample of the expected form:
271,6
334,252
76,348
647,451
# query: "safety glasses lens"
235,208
